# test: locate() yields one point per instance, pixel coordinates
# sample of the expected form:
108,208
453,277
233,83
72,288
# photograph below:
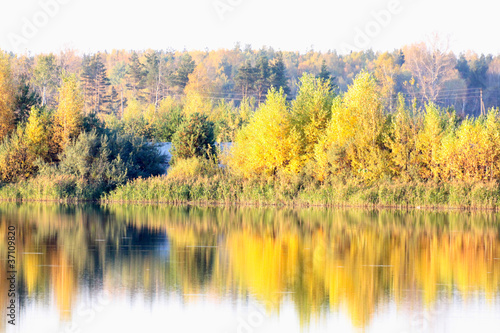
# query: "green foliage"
166,120
186,66
45,76
278,78
104,162
194,138
26,98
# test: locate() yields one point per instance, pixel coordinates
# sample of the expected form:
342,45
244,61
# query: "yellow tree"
7,99
39,133
268,143
429,141
194,102
386,71
401,141
201,80
311,112
354,134
68,119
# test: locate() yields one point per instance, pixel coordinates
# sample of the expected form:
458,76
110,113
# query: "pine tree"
324,74
136,76
114,100
26,98
263,74
278,77
186,66
245,79
96,83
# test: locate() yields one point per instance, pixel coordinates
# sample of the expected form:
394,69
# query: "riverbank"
289,191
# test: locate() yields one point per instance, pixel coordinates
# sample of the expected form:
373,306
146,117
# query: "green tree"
325,75
136,76
278,78
245,79
95,84
181,76
26,98
194,138
263,74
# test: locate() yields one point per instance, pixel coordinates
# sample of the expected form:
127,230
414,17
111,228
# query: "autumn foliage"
353,137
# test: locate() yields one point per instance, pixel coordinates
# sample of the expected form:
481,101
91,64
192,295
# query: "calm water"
84,268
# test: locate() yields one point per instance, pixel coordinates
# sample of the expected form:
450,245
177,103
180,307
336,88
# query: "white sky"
98,25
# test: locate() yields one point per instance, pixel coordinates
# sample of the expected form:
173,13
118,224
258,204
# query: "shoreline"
220,190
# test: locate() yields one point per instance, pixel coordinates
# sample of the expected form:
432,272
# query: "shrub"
17,160
102,162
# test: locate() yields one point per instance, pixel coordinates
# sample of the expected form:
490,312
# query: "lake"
134,268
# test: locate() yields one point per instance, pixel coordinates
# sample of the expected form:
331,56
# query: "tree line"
427,72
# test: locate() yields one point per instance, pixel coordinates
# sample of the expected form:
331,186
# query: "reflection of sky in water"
172,314
96,269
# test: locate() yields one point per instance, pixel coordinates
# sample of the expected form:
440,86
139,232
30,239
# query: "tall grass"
221,189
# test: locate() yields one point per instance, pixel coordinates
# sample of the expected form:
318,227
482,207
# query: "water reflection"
320,261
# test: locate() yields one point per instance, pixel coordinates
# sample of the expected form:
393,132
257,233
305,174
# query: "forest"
415,126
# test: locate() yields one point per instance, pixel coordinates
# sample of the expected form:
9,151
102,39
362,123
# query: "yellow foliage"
429,142
386,71
39,132
194,102
471,153
401,140
311,112
268,143
133,111
355,127
200,80
7,96
68,118
191,168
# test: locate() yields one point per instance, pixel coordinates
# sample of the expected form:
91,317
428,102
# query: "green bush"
100,162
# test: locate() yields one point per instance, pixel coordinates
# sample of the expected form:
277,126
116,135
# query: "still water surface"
88,268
